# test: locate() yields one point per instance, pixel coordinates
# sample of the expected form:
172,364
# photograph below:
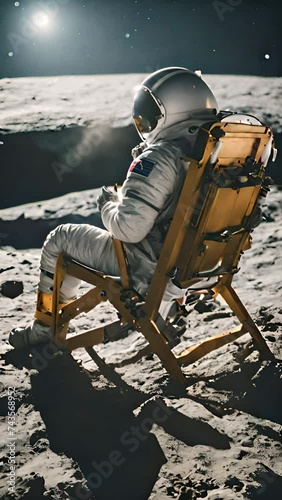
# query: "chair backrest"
217,206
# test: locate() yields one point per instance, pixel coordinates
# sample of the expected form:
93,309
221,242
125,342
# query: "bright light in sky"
267,56
40,19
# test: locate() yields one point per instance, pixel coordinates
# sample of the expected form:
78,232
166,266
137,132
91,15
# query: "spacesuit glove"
104,197
138,150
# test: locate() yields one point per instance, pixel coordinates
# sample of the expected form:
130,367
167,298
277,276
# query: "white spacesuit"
169,107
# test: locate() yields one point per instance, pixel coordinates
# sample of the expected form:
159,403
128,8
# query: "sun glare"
40,19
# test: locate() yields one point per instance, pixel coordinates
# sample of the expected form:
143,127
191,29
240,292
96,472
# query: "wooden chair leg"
231,298
58,331
161,348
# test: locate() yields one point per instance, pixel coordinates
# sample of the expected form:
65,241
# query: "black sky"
138,36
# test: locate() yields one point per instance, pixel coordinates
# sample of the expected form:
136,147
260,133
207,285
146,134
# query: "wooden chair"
216,212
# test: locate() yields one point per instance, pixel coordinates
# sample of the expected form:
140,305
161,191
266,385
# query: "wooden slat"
198,351
85,339
173,242
83,304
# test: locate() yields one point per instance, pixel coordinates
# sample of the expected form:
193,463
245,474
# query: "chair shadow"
115,450
94,428
188,430
271,484
256,389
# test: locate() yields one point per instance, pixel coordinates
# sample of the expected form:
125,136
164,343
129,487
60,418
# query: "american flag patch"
142,166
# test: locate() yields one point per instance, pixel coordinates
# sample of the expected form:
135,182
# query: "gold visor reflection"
142,124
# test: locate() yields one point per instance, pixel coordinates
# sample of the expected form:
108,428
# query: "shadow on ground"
96,427
42,165
254,388
24,233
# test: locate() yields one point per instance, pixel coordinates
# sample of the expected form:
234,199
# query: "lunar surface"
69,133
120,430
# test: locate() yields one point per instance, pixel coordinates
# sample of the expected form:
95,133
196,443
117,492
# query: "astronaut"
168,109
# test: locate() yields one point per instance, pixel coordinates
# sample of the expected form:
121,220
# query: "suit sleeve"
150,181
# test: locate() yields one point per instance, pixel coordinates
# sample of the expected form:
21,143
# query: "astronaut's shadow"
97,428
94,428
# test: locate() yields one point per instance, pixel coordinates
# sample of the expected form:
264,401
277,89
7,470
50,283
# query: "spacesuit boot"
33,334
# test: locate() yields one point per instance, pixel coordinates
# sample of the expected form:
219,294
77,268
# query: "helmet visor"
146,111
